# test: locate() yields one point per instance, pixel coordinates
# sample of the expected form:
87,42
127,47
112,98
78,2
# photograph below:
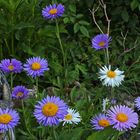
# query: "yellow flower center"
104,123
5,118
19,94
10,67
53,11
101,44
50,109
111,74
122,117
68,117
36,66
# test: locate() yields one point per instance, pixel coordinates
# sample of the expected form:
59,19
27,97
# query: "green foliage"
107,134
24,33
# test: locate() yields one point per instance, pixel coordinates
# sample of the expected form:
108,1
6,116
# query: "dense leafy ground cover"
65,43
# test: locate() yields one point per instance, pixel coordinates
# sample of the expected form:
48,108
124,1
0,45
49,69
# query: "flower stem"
6,43
107,56
60,42
37,84
112,93
11,78
54,133
12,43
69,128
8,135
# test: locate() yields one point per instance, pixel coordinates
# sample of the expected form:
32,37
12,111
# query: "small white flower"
111,78
72,117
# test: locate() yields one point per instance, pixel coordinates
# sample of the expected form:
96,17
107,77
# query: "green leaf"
72,8
81,68
74,134
82,22
78,16
23,25
84,31
73,93
23,132
76,27
125,15
134,4
105,134
6,5
66,20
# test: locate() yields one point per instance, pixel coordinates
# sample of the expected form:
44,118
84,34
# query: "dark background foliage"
24,33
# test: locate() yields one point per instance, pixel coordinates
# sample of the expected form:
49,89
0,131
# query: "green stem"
8,135
11,78
107,56
60,42
24,117
37,84
54,133
112,93
69,128
6,43
12,38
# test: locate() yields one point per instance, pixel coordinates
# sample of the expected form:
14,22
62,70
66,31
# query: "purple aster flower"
12,65
8,119
123,117
99,122
137,103
50,111
20,92
101,41
53,11
36,66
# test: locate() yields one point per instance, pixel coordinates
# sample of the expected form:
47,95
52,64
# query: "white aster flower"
72,117
111,78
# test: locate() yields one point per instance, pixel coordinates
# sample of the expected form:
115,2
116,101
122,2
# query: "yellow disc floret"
19,94
111,74
122,117
103,123
5,118
53,11
102,44
10,67
50,109
68,117
35,66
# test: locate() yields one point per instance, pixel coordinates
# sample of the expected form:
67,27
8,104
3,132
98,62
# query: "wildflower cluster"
52,110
